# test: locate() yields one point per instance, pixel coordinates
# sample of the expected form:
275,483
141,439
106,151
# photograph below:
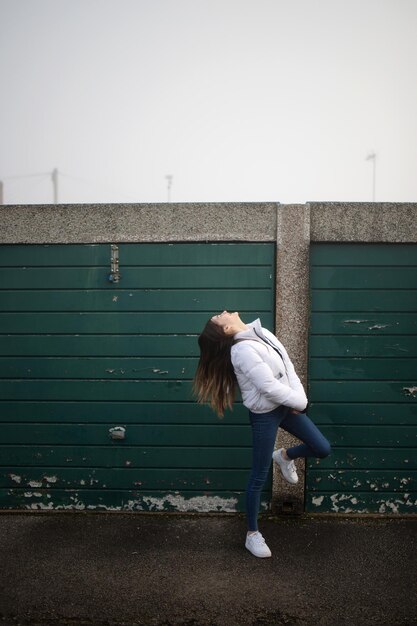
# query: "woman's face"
227,321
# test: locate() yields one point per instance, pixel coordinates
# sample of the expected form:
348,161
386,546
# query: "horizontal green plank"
137,254
359,413
113,390
357,346
138,435
353,502
107,323
363,254
362,480
197,254
99,345
371,435
121,455
125,412
361,368
160,300
111,368
198,501
359,300
124,478
363,391
379,324
369,278
15,255
400,459
194,435
138,277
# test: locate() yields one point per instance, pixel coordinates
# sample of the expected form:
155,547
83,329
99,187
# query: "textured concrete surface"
229,221
362,221
115,569
292,326
117,223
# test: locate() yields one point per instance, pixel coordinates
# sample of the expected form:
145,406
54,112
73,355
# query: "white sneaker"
255,543
287,467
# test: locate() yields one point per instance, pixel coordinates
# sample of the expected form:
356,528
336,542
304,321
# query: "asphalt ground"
126,569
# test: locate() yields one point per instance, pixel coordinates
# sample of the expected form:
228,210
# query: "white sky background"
239,100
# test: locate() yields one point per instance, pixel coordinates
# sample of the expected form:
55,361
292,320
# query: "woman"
231,353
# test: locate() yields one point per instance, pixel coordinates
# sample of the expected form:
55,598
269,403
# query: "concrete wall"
291,226
119,223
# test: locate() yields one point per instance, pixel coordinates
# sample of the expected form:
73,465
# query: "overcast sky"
238,100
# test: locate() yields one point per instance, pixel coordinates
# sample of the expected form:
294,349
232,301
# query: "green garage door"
363,377
85,360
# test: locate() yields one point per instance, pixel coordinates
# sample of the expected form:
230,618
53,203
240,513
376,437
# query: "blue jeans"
264,432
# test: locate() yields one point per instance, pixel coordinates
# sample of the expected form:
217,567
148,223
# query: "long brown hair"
215,380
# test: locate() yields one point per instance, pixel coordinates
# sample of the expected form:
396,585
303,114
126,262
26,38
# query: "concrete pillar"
292,324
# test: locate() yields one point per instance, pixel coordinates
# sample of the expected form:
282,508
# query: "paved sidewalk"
153,569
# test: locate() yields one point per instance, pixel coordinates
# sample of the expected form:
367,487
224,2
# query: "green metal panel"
80,355
362,346
168,300
186,277
373,278
363,377
354,300
150,412
386,323
136,499
144,254
118,478
140,434
53,458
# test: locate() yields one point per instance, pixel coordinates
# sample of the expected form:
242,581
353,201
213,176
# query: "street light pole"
169,178
372,157
55,184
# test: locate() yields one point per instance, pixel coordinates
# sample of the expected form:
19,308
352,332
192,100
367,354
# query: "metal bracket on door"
114,275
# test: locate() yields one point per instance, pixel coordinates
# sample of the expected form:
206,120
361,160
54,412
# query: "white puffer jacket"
265,380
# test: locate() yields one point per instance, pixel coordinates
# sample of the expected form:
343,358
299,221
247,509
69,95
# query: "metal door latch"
114,275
